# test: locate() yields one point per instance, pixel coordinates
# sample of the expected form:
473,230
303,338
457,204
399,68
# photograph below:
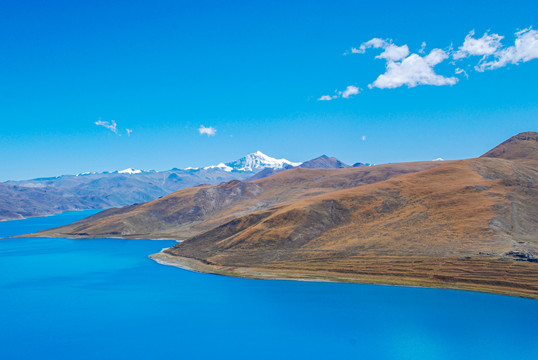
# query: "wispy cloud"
209,131
348,92
422,49
110,125
461,71
525,48
484,46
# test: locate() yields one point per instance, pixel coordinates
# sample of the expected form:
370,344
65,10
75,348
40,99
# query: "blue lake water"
105,299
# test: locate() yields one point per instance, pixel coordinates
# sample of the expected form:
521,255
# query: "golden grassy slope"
188,212
455,225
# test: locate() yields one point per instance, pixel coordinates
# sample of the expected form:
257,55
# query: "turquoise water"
104,299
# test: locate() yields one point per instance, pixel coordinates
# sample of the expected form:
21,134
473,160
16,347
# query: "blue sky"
254,71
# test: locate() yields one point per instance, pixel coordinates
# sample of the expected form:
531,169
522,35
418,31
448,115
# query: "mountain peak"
258,161
220,166
324,162
130,171
523,146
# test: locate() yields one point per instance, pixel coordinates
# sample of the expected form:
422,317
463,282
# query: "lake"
105,299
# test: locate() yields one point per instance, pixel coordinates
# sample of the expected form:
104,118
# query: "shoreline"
52,214
66,236
268,274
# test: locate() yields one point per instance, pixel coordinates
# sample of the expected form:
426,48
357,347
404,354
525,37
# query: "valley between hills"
465,224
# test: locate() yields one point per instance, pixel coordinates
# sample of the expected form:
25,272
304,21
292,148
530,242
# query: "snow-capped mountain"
220,166
86,173
258,161
250,163
130,171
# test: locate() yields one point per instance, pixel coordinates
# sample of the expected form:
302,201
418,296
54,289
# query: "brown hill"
189,212
464,224
522,147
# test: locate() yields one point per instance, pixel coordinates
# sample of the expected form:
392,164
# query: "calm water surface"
104,299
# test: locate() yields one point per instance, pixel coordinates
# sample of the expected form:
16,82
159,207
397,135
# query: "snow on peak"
259,161
438,159
220,166
130,171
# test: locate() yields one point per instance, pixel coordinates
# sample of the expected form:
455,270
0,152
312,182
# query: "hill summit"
324,162
522,147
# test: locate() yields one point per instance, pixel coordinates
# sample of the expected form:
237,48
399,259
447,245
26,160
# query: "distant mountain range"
321,162
468,224
92,190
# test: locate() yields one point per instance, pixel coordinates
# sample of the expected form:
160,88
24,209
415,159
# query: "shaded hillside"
19,202
39,197
266,173
324,162
189,212
321,162
522,147
467,224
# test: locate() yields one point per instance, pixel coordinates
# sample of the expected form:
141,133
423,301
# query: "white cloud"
414,70
461,71
404,67
422,48
129,131
485,46
209,131
350,90
525,48
375,43
109,125
394,53
363,138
